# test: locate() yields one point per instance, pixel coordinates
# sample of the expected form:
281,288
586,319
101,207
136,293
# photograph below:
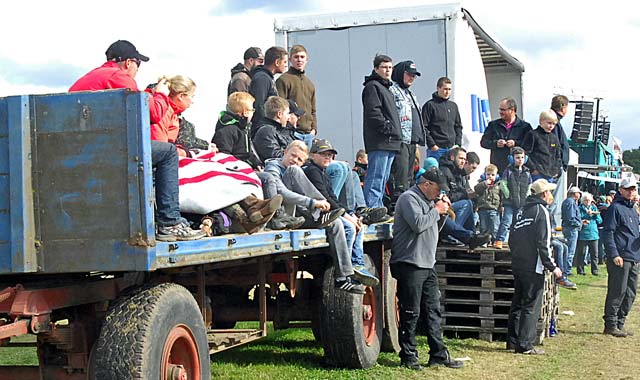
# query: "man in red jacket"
123,62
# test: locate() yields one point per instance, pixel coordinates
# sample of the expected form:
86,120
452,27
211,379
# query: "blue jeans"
338,172
306,137
164,158
351,195
438,153
571,235
354,241
375,180
508,213
560,251
464,213
489,222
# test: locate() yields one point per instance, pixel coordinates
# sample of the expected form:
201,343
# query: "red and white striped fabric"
211,181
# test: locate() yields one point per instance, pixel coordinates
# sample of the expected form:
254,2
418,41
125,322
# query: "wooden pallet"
476,291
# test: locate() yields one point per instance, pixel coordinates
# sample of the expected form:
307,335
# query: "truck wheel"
155,333
351,324
390,341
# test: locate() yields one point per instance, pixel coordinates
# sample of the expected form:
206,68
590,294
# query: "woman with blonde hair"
588,236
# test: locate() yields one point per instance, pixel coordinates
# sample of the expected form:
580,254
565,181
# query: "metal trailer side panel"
17,244
339,59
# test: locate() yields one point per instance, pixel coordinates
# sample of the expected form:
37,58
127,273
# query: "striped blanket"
211,181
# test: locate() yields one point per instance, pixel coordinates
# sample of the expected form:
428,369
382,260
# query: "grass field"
580,351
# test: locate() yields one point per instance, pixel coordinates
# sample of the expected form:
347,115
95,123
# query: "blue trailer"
81,269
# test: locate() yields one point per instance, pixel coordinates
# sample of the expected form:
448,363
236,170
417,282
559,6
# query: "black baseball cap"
435,175
122,50
293,108
411,68
322,145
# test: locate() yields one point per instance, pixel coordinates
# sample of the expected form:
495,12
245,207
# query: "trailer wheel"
390,341
351,324
155,333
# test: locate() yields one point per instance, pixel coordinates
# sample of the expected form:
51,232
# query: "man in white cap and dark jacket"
531,254
413,256
621,237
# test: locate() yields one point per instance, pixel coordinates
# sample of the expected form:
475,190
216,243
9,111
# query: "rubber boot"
256,209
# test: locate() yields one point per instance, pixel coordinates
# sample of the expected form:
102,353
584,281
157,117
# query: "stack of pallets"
477,288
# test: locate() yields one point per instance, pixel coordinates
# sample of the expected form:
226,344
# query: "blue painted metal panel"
222,248
88,183
379,231
305,239
5,222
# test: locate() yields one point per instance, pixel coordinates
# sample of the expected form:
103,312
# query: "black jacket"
233,137
530,238
262,87
496,130
442,122
271,139
564,142
544,152
319,178
518,182
380,120
620,230
456,178
240,79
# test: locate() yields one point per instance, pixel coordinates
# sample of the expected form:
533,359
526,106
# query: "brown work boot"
253,227
256,209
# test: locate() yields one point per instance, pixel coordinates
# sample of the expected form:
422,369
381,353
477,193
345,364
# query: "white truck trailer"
443,40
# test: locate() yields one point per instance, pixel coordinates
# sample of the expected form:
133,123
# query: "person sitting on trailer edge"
413,256
123,62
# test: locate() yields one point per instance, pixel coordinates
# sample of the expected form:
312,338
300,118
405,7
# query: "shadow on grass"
268,354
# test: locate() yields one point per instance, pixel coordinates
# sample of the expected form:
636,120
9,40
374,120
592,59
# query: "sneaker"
567,284
533,351
179,232
478,239
372,215
415,366
511,346
448,362
449,240
350,285
328,217
363,276
283,221
497,244
614,331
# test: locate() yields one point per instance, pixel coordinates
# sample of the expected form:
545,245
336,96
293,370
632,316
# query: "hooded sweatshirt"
442,122
407,106
240,79
530,238
380,122
233,137
262,87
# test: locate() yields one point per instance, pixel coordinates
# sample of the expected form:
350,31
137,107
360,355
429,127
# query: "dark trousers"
402,170
418,287
581,248
525,310
622,285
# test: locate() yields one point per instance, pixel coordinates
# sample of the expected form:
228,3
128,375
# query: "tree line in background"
631,157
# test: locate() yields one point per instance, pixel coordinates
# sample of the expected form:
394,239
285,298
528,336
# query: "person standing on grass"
413,256
621,237
530,243
588,236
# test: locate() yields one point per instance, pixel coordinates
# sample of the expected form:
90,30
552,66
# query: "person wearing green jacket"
588,236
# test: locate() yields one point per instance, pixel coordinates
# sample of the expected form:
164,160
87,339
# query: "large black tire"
351,324
150,330
390,341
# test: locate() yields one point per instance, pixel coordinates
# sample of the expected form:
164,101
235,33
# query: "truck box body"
442,40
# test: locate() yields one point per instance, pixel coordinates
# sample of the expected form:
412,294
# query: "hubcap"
180,360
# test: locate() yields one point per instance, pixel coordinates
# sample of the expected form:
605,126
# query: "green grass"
579,352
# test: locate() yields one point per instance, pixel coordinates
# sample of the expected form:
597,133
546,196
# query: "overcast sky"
570,47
